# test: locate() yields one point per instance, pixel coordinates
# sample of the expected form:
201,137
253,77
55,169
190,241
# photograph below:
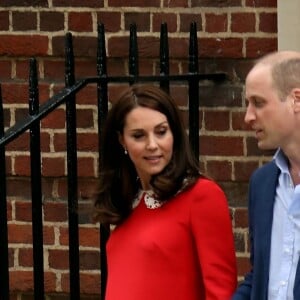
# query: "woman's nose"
151,143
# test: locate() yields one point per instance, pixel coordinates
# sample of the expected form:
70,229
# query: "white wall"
288,24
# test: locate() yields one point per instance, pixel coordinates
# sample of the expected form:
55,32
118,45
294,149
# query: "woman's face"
148,139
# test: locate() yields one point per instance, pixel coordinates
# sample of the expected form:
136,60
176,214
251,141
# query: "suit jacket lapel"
266,191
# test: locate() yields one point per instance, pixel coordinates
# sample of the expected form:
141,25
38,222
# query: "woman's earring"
125,151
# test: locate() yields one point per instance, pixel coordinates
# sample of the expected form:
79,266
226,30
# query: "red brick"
55,120
55,212
22,69
261,3
187,19
147,46
243,170
23,45
89,237
170,19
80,21
85,118
59,142
253,150
142,21
18,187
83,46
78,3
216,22
5,67
89,283
268,22
243,265
85,68
4,21
11,257
51,21
23,281
45,141
19,234
216,120
53,166
9,211
221,47
221,145
63,236
23,211
23,21
219,170
239,241
86,166
130,3
26,3
14,92
54,69
257,47
58,259
176,3
25,257
238,122
87,188
110,20
243,22
241,218
87,142
89,260
216,3
22,165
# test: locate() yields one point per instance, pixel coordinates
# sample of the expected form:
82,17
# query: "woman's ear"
121,140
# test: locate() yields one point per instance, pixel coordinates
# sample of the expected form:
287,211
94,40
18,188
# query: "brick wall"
231,34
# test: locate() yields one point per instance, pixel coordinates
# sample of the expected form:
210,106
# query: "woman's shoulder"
204,184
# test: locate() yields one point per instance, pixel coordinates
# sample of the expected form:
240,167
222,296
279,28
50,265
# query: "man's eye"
258,103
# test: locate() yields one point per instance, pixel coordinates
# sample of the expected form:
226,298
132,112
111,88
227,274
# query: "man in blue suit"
273,112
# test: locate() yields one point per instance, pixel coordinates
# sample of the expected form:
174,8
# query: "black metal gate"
67,96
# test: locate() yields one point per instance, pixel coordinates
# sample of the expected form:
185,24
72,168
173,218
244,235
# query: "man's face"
271,118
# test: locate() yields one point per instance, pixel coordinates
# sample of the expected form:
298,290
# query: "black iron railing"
68,96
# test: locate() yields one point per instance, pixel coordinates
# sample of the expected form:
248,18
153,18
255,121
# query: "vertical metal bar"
72,173
194,91
133,53
164,56
102,94
36,183
4,273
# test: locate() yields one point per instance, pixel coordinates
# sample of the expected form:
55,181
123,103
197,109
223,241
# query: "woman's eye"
137,136
162,131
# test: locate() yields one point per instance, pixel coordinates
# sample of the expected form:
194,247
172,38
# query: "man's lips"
258,132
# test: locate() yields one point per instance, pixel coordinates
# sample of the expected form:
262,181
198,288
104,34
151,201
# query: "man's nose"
249,115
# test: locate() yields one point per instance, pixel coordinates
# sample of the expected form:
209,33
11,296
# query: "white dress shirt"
285,239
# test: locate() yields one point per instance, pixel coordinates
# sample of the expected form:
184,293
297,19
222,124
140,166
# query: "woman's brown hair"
118,182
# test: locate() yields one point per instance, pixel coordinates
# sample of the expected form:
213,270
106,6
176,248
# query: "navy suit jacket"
262,189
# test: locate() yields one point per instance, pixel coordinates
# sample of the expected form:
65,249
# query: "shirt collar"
281,161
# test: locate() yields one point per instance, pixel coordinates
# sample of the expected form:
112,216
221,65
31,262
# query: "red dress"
183,250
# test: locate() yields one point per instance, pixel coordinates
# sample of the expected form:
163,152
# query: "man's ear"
296,99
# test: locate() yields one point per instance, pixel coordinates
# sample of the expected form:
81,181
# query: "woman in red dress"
173,236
